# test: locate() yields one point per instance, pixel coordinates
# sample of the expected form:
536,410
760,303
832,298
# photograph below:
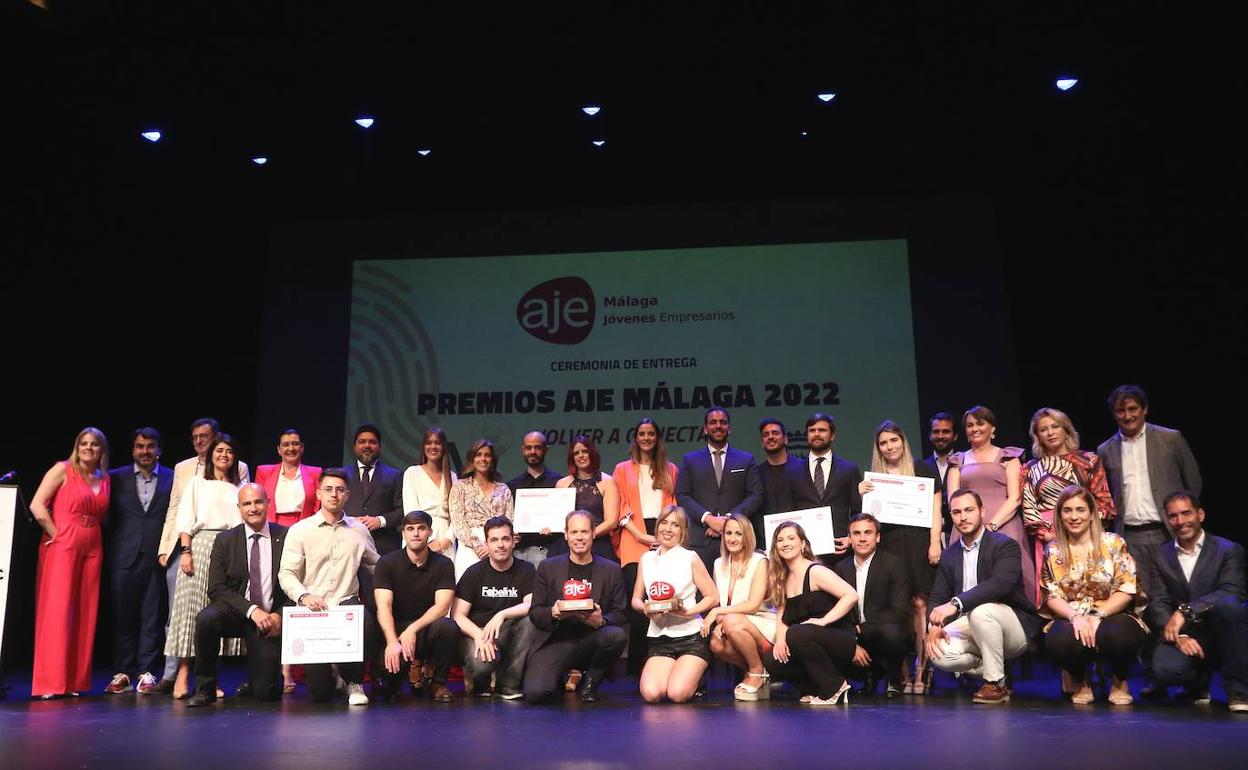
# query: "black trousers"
1118,641
887,644
638,624
1223,635
437,645
140,609
594,650
264,655
320,676
818,658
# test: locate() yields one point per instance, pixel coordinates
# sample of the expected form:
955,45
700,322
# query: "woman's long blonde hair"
75,462
1059,526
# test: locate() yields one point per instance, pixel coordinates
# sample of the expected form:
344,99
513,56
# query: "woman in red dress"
69,505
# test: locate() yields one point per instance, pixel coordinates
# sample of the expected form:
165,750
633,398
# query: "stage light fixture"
424,151
591,109
1065,84
599,142
804,133
259,160
152,136
364,122
827,96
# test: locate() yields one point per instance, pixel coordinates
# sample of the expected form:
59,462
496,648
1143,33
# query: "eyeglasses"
334,491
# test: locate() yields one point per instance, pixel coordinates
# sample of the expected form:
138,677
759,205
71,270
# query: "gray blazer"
1171,467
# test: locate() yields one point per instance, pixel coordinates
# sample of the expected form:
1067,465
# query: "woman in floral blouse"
1089,588
477,497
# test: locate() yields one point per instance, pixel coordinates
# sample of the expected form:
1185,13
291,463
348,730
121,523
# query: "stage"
1036,730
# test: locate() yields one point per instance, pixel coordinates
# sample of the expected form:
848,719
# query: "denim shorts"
675,646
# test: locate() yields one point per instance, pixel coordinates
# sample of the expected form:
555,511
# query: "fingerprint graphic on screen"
392,360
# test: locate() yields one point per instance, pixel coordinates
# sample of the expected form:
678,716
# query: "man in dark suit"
137,508
776,461
376,491
589,640
942,434
245,600
883,605
1197,606
825,479
714,482
980,615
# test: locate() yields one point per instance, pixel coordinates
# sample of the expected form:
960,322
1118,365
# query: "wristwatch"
992,527
957,604
1185,610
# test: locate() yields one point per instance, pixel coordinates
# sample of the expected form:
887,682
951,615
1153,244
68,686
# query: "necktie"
254,580
719,466
366,481
820,482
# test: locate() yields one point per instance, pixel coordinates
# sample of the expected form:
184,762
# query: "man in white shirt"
1197,606
883,606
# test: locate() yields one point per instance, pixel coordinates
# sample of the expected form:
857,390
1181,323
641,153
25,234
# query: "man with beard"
825,479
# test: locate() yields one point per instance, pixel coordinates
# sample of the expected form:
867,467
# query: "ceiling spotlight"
424,151
151,136
591,109
827,96
364,122
1065,84
804,133
259,160
599,142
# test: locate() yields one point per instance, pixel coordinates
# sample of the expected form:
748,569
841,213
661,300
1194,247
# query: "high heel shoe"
842,693
749,692
922,684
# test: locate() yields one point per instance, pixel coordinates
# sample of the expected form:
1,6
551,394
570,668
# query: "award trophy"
661,597
577,597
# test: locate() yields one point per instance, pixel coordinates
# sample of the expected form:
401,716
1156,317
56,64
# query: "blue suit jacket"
1219,575
740,489
1000,569
134,534
840,492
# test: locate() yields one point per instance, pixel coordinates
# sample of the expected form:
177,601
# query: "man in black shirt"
414,588
589,640
775,441
536,476
492,609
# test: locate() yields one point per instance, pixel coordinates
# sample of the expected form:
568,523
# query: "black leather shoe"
589,688
201,699
243,690
868,685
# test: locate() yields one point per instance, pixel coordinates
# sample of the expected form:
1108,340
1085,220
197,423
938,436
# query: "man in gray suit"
1144,463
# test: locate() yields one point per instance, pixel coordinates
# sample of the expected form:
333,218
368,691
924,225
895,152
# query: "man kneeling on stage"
414,588
569,635
245,600
492,611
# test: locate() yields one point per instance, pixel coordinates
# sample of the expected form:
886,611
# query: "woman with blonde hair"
1057,462
678,655
743,626
815,636
1090,593
918,548
69,505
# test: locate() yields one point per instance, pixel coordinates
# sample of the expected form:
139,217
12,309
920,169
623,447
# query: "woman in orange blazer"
290,449
647,485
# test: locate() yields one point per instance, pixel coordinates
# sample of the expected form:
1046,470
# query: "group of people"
1094,556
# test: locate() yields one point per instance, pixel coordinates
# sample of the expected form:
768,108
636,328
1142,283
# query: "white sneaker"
147,684
355,695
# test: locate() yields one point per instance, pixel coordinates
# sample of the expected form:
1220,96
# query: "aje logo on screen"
560,311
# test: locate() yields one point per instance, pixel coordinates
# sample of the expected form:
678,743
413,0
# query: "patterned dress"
1085,581
1043,481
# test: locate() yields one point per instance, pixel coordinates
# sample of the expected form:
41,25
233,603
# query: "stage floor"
1036,730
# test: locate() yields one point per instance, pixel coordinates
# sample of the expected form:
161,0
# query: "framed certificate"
335,635
817,522
905,500
537,509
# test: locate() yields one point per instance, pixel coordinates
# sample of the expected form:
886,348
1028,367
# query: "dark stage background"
1061,244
